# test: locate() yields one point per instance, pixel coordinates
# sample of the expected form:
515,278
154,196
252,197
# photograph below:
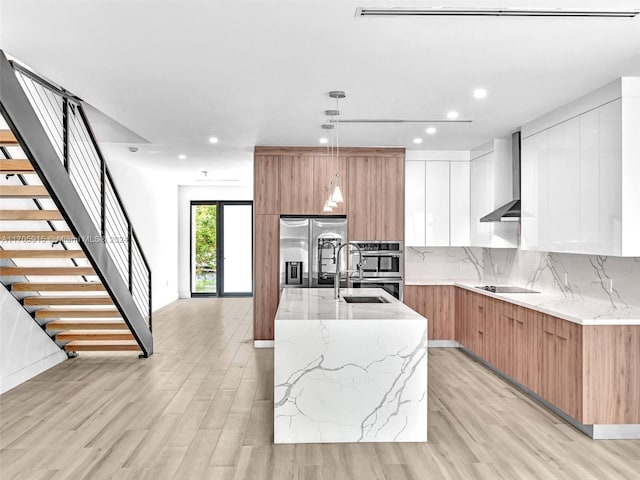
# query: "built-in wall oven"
382,266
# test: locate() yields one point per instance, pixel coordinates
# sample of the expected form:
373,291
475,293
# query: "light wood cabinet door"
569,353
265,273
324,172
535,337
296,185
437,303
376,198
266,184
461,316
364,199
390,221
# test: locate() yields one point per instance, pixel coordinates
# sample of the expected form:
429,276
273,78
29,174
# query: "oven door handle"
378,280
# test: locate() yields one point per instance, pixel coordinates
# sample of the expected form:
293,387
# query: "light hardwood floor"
201,407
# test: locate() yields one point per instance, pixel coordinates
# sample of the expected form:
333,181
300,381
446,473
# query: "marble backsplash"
614,281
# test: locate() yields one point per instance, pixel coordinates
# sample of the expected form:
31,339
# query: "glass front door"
221,248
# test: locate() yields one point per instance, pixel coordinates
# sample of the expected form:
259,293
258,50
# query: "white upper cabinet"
437,200
490,188
414,204
437,204
459,204
581,175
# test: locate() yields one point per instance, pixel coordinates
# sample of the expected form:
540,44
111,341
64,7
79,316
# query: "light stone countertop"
580,310
318,304
348,372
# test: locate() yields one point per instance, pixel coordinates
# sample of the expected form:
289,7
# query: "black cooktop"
505,289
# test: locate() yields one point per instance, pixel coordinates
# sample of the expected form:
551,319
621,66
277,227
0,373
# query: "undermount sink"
362,299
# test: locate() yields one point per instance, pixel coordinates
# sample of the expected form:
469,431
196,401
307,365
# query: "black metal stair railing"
64,143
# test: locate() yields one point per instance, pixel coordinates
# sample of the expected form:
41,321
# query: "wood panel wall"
293,181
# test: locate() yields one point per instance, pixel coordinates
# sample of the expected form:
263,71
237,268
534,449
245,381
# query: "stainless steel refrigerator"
308,249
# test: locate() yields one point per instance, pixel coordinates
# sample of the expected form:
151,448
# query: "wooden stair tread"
57,287
86,325
46,271
34,215
42,253
23,191
43,236
16,165
101,346
84,300
7,138
79,313
94,335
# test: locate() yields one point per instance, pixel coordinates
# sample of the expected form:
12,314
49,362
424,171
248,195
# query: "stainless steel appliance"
382,266
308,250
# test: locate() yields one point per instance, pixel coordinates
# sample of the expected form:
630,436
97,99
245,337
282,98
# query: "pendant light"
327,206
330,201
335,195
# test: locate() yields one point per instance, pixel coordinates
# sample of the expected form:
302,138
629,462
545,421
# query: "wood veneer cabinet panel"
297,186
390,216
324,172
611,371
535,337
265,270
363,201
437,303
375,207
461,314
266,183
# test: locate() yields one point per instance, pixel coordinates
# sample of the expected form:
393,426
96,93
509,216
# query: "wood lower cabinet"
589,372
437,303
611,369
541,352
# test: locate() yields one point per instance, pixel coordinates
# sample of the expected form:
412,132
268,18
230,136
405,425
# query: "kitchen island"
348,372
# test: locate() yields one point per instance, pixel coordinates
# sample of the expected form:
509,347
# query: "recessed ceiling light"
480,93
431,130
182,156
323,140
452,115
417,140
213,139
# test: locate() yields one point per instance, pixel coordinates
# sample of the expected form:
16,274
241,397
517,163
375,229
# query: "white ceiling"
258,72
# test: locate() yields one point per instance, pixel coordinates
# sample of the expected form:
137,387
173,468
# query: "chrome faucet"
336,280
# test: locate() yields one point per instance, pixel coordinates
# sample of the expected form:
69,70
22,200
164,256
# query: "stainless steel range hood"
510,211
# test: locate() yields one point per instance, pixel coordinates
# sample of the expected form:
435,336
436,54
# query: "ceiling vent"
492,12
393,120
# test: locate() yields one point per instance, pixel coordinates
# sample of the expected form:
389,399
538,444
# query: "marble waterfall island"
348,372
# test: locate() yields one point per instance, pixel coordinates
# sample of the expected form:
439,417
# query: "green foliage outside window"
206,260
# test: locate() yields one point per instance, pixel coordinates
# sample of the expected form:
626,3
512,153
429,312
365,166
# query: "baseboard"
616,432
30,371
263,343
443,344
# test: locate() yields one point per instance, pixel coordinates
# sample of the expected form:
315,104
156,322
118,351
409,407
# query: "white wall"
25,349
186,194
151,200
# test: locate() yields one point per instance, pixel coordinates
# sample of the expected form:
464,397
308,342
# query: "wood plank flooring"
202,405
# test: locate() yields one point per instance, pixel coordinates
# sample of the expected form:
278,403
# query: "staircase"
68,252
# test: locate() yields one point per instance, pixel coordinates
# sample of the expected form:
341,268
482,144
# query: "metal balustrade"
65,123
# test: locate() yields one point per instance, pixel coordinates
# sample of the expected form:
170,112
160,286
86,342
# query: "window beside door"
221,248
